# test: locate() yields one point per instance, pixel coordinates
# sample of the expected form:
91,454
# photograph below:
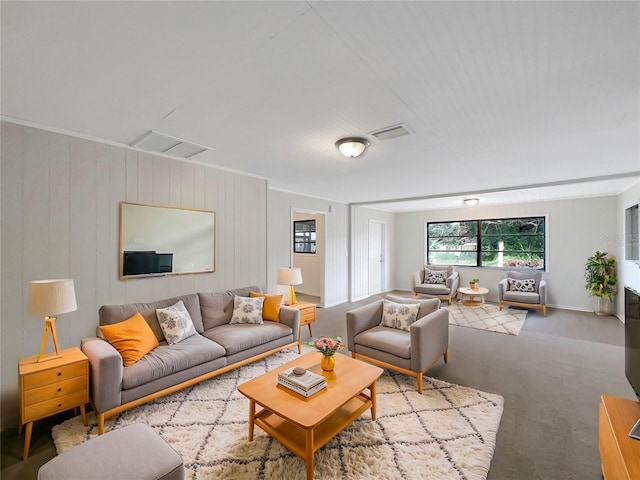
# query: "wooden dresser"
619,453
307,313
51,387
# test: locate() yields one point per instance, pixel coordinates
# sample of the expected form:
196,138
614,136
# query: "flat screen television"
632,346
146,263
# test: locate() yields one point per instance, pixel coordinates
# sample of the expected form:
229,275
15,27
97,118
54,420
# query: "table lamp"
290,276
49,298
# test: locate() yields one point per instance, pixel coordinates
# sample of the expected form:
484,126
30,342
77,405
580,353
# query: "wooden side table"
619,453
473,297
307,313
51,387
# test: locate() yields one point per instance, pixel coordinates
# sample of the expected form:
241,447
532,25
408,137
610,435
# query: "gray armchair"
411,353
443,291
533,295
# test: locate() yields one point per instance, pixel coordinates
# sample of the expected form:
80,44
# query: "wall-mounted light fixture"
471,202
352,147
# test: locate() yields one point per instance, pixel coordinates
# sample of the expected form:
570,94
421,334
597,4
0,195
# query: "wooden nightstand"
51,387
307,313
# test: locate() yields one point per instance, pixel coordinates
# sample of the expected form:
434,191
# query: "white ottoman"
134,452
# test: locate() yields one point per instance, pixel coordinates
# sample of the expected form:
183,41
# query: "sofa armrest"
418,278
105,373
361,319
429,338
453,282
503,286
291,317
542,290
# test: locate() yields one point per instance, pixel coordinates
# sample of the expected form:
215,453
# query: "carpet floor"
487,317
448,432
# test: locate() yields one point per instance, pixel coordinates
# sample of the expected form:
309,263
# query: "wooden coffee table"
474,297
304,425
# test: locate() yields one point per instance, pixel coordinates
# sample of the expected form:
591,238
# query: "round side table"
473,297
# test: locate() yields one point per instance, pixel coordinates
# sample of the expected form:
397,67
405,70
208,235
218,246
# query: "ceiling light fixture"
352,147
471,202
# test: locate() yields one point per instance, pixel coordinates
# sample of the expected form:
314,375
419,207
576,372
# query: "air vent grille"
391,132
160,143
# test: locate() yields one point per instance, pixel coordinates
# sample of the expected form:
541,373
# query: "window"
499,243
304,236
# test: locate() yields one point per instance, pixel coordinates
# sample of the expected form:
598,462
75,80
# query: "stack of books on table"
306,384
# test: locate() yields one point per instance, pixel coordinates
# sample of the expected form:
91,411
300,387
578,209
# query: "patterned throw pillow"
528,285
175,322
247,309
435,276
399,315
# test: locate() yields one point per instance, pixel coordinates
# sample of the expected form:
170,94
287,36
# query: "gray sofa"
411,353
218,347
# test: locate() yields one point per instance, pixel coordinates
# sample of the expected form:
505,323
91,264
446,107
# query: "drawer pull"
59,405
59,374
59,389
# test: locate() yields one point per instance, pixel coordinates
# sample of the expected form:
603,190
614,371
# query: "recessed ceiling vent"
160,143
391,132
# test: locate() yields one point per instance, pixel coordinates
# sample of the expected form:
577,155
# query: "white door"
376,257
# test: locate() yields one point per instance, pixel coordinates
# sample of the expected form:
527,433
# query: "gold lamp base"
49,327
292,295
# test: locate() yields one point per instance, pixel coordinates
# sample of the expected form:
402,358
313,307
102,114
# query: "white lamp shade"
48,298
289,276
352,147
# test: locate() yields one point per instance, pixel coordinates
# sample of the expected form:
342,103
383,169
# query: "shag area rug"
487,317
448,432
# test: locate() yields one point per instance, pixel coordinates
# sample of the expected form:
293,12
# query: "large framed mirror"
165,241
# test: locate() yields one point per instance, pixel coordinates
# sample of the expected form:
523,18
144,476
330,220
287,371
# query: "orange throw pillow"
271,306
133,338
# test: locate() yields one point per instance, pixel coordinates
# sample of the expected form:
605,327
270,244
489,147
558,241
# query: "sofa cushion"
217,307
427,305
526,285
435,276
398,315
167,359
433,289
522,297
132,338
110,314
385,339
271,306
175,322
242,336
247,310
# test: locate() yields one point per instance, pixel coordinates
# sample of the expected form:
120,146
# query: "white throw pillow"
247,309
399,315
435,276
175,322
528,285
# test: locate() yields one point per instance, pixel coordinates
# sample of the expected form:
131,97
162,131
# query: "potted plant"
473,283
600,273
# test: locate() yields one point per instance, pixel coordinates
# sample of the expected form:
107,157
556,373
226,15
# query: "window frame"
479,237
299,237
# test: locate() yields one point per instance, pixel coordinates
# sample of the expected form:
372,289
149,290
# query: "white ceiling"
506,101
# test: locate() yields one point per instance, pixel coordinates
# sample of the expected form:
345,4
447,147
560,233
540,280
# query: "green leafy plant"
600,272
474,280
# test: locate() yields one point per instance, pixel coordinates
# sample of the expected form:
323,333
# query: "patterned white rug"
487,317
448,432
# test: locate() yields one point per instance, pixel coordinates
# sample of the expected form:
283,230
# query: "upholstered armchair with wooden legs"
440,281
523,289
410,352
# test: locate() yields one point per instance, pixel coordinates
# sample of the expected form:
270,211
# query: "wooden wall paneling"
117,193
83,235
35,225
175,185
59,205
105,257
225,248
187,199
145,178
131,176
199,187
14,284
